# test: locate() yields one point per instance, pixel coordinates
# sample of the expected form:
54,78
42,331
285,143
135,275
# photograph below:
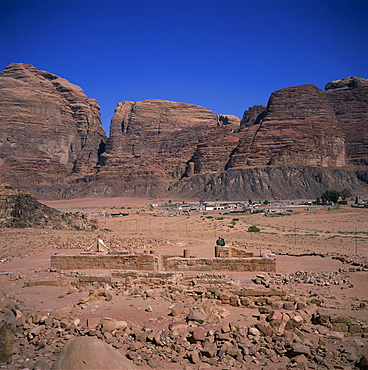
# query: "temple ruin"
226,259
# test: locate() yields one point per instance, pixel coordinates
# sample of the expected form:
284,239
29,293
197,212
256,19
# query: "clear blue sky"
225,55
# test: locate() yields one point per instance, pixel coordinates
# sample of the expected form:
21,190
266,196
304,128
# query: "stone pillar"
217,251
186,253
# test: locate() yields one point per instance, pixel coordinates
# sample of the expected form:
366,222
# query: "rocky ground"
311,314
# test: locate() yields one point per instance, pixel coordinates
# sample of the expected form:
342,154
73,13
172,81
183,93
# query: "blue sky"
225,55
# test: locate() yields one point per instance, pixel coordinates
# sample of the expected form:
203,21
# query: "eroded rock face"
52,143
151,141
49,128
299,127
253,114
213,150
349,100
270,182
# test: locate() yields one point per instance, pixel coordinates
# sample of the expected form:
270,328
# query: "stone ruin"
226,259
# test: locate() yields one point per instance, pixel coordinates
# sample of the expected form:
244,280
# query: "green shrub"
235,219
253,229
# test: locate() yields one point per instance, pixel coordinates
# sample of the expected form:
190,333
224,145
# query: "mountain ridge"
52,143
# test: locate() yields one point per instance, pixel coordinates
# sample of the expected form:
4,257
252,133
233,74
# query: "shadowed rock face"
49,128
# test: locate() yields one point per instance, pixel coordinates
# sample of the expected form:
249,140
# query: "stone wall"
240,253
226,251
150,262
219,264
119,262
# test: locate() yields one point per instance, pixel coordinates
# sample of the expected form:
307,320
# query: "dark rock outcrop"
19,210
271,182
252,115
49,130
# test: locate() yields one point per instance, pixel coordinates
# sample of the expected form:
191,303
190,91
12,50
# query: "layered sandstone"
349,100
52,143
213,150
49,129
252,115
150,143
298,127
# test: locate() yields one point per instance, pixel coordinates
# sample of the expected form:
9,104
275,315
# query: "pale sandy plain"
326,230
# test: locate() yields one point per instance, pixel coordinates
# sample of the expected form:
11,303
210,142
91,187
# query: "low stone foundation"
144,262
157,262
219,264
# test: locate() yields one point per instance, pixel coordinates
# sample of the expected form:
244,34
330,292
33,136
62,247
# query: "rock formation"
299,127
19,209
150,143
270,182
52,143
49,129
349,100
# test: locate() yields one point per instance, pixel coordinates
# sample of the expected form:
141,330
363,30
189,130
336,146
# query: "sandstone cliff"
299,127
150,143
19,209
349,100
288,149
49,129
305,141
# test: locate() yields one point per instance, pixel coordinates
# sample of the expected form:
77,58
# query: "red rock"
89,353
349,99
177,309
49,130
199,334
298,127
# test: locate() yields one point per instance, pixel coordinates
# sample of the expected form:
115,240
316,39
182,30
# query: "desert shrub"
253,229
235,219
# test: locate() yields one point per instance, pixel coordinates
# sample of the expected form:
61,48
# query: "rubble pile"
279,331
301,277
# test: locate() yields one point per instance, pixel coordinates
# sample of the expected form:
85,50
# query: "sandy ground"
336,231
25,253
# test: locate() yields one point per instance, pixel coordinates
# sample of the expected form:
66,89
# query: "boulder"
90,354
197,316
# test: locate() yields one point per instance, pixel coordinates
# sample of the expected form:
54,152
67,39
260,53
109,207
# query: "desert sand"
308,240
